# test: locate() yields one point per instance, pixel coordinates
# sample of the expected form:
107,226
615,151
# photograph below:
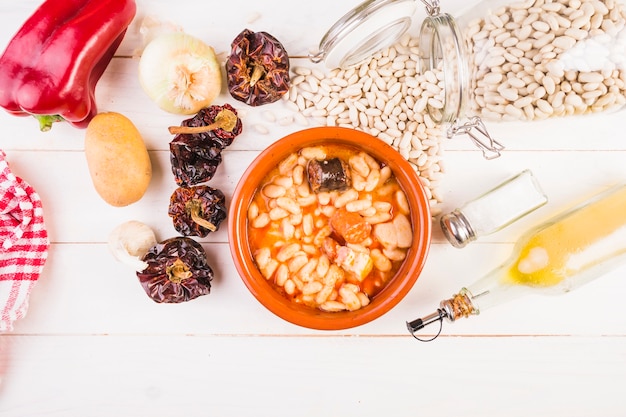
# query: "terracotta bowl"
393,291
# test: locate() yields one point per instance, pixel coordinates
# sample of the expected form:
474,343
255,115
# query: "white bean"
358,205
282,275
269,269
313,153
289,204
262,220
346,197
274,191
381,262
332,306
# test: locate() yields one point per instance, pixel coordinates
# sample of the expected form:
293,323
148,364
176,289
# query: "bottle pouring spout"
458,306
420,323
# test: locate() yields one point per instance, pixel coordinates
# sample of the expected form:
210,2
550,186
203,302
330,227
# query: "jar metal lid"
368,28
457,229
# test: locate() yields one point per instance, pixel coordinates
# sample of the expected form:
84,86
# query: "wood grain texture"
93,344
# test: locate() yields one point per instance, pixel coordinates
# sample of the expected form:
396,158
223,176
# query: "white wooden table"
93,344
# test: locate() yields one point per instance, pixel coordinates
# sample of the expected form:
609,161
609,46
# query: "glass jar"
501,60
516,60
377,24
368,28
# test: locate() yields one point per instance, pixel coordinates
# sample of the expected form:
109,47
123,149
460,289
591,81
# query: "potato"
117,158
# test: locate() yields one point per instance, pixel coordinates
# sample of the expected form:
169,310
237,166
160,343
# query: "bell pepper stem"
46,121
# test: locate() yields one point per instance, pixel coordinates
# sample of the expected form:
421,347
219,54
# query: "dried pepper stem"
257,74
225,120
178,272
193,208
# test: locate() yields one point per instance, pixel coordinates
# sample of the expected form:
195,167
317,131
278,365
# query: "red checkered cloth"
23,244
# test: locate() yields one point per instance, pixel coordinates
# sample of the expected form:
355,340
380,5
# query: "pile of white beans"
385,97
537,59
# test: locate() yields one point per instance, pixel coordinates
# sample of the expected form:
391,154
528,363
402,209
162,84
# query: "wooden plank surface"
92,343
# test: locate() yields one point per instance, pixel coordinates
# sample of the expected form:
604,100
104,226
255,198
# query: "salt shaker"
493,210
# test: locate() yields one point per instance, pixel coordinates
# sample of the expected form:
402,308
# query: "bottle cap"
457,229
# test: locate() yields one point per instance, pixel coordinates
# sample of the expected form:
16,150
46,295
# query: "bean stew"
329,226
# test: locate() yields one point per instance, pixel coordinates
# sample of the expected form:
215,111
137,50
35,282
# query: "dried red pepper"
195,151
177,271
197,211
51,66
257,68
218,123
194,159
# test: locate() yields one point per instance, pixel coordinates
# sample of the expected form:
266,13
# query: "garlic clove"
130,241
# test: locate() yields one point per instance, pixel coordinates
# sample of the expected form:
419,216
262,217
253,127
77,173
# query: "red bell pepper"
52,65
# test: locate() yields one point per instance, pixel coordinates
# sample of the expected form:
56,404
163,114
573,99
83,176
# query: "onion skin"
180,73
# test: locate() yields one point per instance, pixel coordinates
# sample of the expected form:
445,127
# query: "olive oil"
582,240
560,255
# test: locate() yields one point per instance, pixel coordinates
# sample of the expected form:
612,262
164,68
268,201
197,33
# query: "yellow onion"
180,73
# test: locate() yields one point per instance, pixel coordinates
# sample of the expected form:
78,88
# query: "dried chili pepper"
194,159
195,151
51,66
257,69
197,211
177,271
218,123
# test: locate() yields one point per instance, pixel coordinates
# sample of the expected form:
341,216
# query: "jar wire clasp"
432,7
442,49
490,147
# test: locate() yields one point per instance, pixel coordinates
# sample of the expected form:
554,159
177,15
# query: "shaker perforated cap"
456,229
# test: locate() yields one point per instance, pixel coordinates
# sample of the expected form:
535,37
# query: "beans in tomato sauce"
329,249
